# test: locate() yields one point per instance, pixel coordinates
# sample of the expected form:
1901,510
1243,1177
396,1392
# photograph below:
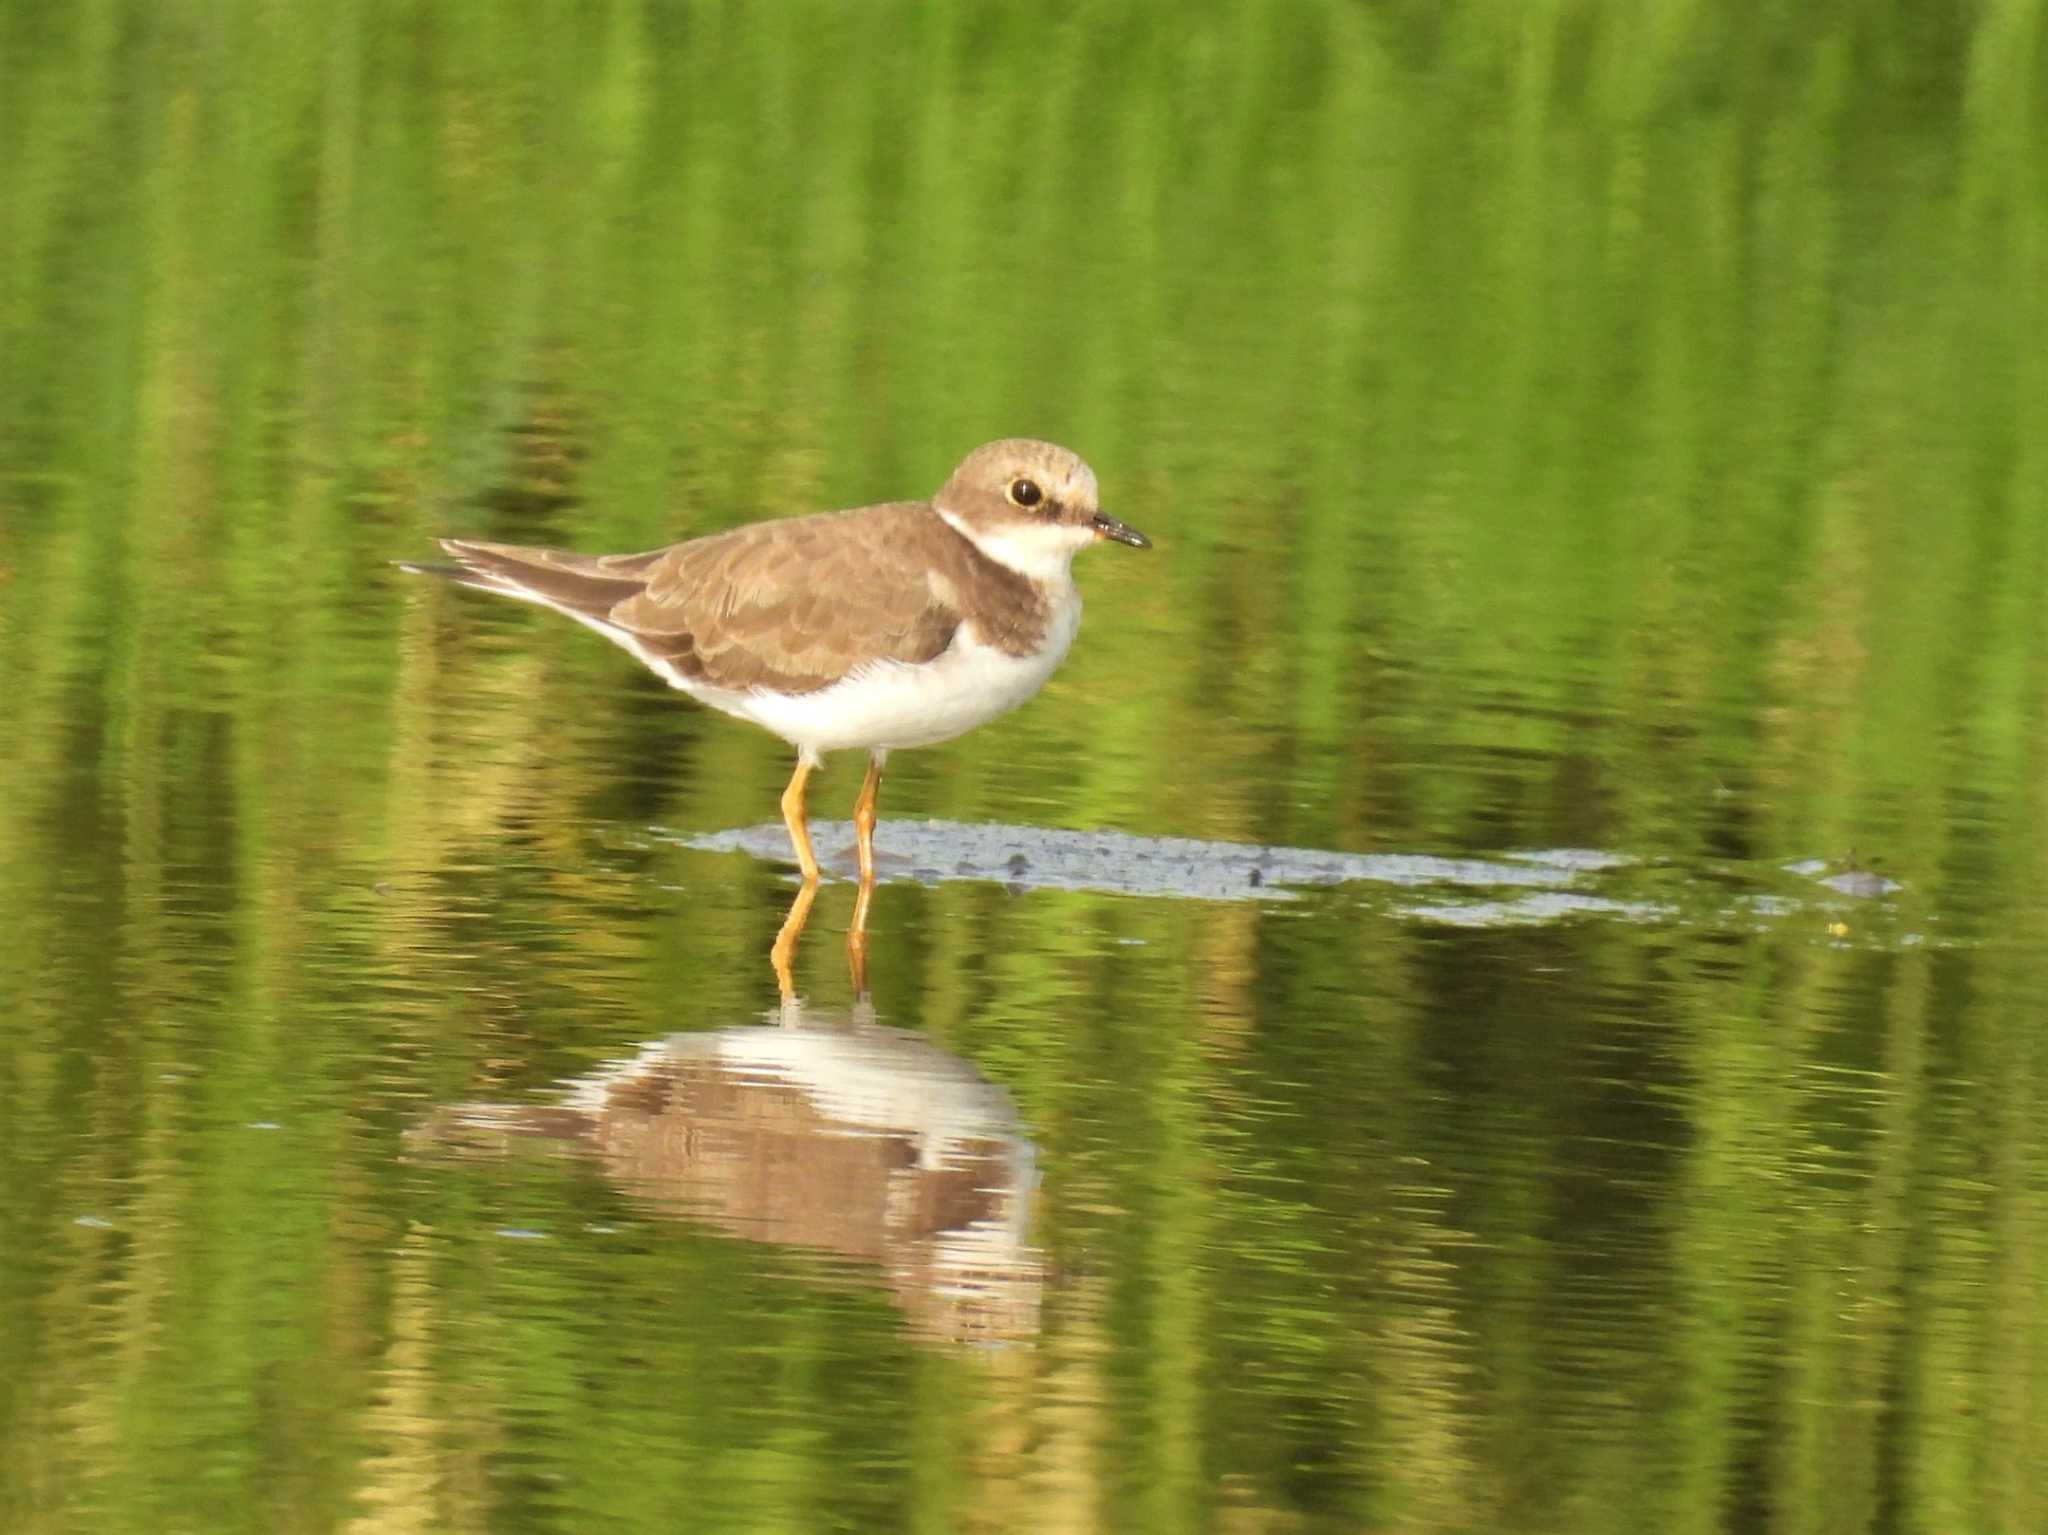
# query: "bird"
881,628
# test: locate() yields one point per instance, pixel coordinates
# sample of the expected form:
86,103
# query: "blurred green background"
1597,426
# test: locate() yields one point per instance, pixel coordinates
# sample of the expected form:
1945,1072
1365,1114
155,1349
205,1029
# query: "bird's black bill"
1108,527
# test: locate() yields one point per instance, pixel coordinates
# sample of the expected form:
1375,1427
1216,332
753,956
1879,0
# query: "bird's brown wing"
792,605
795,605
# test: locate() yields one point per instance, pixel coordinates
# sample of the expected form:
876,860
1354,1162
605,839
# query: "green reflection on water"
1588,428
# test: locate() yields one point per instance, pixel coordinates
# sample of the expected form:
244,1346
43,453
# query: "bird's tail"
584,586
459,574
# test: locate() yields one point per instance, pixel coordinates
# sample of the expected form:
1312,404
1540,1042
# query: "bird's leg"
864,820
864,851
793,818
784,949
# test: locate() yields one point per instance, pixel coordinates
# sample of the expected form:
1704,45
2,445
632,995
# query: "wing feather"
794,606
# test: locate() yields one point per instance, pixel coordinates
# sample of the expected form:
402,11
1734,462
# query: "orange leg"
864,850
864,821
793,818
784,950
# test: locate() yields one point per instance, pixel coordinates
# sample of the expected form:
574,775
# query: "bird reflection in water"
782,954
824,1130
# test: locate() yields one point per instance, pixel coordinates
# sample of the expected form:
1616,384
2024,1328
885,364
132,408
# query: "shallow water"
1498,989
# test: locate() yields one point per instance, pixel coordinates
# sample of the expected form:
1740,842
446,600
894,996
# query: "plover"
881,628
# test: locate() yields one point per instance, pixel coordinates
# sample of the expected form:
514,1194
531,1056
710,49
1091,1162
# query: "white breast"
892,704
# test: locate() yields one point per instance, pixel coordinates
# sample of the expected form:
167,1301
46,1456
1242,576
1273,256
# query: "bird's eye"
1026,492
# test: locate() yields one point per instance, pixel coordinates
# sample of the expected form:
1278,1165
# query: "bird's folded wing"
795,605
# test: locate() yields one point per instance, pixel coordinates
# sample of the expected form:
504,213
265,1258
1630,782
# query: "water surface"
1598,595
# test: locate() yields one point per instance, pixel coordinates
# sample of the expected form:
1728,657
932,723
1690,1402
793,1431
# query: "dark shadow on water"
1508,890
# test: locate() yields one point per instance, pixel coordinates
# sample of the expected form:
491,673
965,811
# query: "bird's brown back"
791,606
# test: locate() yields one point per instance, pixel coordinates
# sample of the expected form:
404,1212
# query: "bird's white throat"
1038,551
